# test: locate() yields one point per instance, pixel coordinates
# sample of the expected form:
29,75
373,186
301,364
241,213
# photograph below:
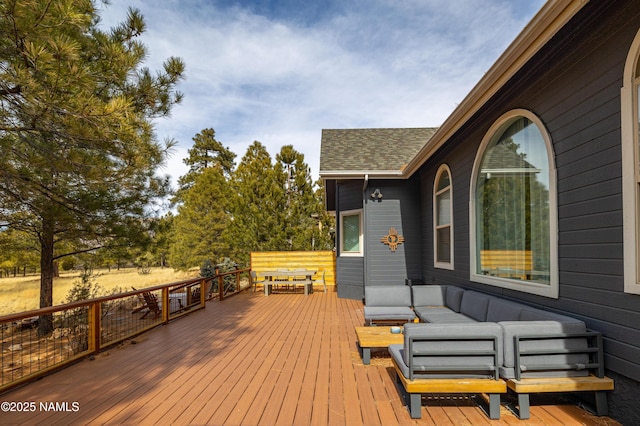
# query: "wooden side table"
375,337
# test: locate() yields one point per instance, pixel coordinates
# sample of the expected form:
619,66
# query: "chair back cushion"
387,295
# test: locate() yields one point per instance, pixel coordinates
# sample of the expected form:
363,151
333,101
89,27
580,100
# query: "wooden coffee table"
375,337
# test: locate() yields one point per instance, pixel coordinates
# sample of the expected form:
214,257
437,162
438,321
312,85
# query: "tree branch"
11,91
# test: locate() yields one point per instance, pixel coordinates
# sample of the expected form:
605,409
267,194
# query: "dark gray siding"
399,209
350,277
573,86
349,270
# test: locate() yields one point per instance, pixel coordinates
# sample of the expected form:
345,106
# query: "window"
513,207
630,116
351,233
442,220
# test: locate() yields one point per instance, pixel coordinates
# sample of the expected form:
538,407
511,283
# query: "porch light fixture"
376,195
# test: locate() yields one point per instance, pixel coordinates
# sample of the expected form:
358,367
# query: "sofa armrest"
571,352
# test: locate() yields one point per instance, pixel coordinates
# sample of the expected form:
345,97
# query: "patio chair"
255,281
195,293
321,281
148,301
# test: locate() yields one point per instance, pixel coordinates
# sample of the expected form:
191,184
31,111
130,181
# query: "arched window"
442,219
513,207
630,113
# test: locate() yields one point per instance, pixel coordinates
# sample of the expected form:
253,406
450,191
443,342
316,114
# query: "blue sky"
279,71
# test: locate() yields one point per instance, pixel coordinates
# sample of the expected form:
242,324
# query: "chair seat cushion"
389,313
439,314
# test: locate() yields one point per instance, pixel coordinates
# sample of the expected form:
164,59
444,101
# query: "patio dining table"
302,277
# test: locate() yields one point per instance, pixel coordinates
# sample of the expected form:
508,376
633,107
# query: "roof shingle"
370,150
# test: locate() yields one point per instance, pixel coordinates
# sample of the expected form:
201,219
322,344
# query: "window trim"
548,290
359,253
441,170
630,171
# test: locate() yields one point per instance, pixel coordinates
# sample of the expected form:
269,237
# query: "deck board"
253,360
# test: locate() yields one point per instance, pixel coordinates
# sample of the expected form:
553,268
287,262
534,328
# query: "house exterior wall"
349,269
399,209
573,85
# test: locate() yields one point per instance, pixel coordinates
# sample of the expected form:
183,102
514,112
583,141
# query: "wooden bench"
507,263
593,363
524,387
413,390
307,284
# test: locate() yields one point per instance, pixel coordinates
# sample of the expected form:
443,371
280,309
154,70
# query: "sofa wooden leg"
602,409
523,406
415,404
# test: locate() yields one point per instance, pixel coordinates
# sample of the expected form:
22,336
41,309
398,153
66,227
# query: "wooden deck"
286,359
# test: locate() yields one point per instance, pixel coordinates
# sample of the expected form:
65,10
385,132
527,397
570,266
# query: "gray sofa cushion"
387,295
400,313
446,345
475,305
397,352
440,314
503,310
437,295
454,297
388,302
429,295
516,328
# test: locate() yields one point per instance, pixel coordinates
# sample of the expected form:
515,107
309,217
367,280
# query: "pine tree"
257,203
205,152
78,150
200,222
301,204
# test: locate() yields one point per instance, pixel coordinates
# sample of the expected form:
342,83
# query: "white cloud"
363,64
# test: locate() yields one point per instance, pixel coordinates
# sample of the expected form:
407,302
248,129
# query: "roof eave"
361,174
547,22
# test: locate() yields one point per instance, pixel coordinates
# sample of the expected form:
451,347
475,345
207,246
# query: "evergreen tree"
205,152
257,203
301,204
324,230
78,150
200,222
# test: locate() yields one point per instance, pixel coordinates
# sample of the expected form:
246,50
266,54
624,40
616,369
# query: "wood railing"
82,329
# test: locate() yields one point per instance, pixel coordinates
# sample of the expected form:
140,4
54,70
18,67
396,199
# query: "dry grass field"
23,293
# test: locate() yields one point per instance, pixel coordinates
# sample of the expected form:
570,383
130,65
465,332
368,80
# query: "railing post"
237,279
220,284
93,339
166,305
203,290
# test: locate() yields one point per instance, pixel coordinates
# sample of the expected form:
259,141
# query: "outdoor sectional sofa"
535,350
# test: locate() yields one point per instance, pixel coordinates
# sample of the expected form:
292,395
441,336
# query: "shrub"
77,320
208,269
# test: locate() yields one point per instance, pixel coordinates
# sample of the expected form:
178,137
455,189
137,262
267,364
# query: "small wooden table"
375,337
